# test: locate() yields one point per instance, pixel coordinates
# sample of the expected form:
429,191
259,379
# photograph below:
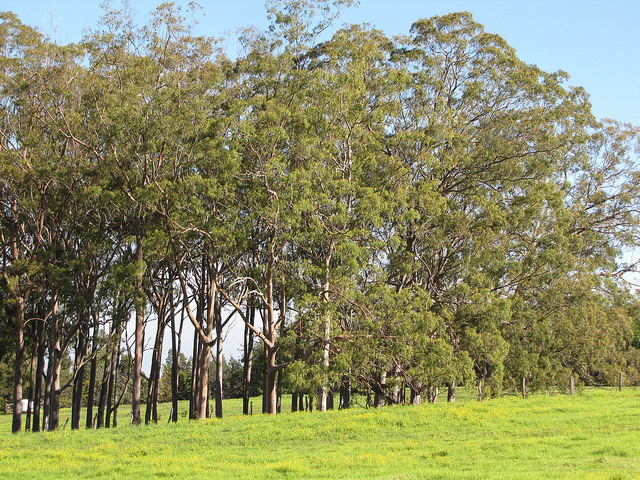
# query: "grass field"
594,435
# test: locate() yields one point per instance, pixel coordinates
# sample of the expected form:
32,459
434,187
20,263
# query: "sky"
596,42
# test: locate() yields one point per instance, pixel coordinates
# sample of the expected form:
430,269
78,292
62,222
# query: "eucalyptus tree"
141,77
276,153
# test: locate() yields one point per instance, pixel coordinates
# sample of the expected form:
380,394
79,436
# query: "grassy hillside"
592,435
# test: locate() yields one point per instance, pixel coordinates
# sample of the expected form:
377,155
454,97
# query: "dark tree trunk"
17,377
294,402
116,369
451,392
104,388
92,375
37,398
151,413
32,374
219,359
416,394
175,347
345,392
139,337
79,369
51,418
248,358
380,391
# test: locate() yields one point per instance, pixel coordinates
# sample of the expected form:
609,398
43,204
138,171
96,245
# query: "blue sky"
596,42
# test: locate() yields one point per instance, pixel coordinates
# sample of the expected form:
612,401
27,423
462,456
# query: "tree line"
382,214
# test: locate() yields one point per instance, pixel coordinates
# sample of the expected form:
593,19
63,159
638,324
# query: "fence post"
571,385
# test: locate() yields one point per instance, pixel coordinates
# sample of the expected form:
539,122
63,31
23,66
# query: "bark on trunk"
92,376
17,377
37,398
451,392
32,374
104,388
380,397
78,383
139,337
218,388
248,358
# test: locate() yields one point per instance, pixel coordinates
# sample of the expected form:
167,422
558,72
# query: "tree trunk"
37,398
219,358
104,388
52,389
380,398
451,392
270,393
248,358
78,369
175,347
32,374
416,394
151,413
139,336
194,406
345,392
92,375
16,426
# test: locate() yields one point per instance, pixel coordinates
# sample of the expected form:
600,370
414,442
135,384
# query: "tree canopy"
396,213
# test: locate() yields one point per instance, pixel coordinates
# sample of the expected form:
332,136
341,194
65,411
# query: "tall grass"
592,435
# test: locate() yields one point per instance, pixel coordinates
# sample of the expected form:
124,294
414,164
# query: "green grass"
594,435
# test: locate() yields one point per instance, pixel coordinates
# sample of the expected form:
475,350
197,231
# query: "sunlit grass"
593,435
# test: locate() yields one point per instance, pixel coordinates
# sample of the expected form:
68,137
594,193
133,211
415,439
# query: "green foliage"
415,211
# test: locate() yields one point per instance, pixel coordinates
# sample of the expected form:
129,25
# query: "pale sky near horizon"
596,42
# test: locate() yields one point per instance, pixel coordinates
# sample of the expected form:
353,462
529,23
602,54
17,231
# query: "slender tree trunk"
248,358
52,404
151,413
139,336
116,370
219,359
37,398
17,377
92,375
380,398
104,388
174,369
32,374
194,407
80,356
